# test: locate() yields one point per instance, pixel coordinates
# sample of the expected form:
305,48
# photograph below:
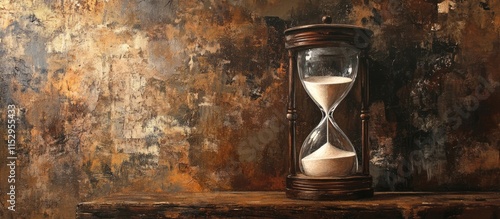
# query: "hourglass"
328,59
327,74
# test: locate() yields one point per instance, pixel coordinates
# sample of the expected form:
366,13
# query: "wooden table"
276,205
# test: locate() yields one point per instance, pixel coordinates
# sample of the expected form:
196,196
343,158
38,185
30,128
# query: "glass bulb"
327,75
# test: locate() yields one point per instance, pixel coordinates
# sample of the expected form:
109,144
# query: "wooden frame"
299,186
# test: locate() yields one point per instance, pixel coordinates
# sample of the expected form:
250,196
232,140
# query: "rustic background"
167,96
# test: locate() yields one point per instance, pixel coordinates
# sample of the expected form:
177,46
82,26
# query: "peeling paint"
445,6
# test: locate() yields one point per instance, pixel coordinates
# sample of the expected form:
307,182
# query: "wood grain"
276,205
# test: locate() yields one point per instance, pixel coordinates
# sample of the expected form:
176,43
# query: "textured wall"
150,95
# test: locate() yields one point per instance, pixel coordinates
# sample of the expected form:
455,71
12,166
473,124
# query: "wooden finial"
326,19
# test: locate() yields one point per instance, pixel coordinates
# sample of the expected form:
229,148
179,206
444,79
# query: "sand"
328,161
326,89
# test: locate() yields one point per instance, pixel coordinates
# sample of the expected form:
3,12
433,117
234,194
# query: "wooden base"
328,188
